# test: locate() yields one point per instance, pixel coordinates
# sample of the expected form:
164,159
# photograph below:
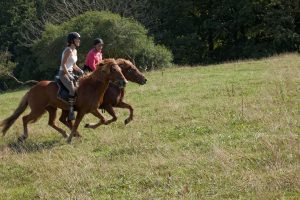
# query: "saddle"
63,92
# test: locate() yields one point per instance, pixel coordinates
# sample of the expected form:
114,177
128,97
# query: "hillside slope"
223,131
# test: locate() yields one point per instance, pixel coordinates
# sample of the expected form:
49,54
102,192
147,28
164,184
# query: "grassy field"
228,131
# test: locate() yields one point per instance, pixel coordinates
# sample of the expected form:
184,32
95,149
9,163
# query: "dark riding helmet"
98,40
72,36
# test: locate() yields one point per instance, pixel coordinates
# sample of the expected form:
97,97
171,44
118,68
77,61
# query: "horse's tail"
8,122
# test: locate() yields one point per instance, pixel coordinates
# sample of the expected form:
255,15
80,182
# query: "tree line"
195,31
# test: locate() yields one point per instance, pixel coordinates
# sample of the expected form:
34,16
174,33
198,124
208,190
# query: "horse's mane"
102,67
121,61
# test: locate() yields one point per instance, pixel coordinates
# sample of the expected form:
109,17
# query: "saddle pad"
63,92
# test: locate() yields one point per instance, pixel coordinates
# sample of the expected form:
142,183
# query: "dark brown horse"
43,97
114,95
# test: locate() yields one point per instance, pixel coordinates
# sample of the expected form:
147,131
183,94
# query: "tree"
125,38
213,31
59,11
196,31
14,16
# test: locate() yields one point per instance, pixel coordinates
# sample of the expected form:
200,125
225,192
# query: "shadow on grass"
30,146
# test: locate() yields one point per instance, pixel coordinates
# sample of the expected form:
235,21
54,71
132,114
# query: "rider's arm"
77,68
64,60
94,62
75,65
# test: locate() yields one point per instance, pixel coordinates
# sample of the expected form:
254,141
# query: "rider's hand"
81,72
71,77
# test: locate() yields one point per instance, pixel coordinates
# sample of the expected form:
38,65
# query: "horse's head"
113,72
131,72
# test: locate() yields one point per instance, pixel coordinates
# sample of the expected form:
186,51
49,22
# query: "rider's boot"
71,108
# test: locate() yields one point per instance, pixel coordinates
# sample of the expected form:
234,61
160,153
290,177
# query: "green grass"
229,131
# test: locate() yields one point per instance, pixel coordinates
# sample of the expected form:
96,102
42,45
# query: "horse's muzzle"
144,82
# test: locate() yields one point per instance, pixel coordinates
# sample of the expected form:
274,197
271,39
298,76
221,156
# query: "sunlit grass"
224,131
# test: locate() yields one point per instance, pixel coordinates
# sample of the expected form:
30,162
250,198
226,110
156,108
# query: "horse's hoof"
21,139
64,134
69,140
77,135
126,121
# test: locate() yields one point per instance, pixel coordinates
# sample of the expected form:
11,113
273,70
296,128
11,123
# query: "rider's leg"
70,86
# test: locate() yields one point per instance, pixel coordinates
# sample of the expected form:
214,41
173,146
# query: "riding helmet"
98,40
72,36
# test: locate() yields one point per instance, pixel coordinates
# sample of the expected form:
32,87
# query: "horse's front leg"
78,119
96,113
125,105
111,111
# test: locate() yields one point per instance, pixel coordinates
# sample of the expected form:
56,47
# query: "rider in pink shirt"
94,56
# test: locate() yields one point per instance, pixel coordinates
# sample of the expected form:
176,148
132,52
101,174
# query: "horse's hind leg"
52,116
31,117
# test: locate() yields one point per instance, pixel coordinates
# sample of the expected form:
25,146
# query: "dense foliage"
123,38
201,31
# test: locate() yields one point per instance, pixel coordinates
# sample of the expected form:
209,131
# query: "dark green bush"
123,37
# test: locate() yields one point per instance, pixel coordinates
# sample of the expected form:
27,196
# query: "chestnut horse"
43,97
114,95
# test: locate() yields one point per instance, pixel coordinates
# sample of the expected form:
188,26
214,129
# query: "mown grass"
216,132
